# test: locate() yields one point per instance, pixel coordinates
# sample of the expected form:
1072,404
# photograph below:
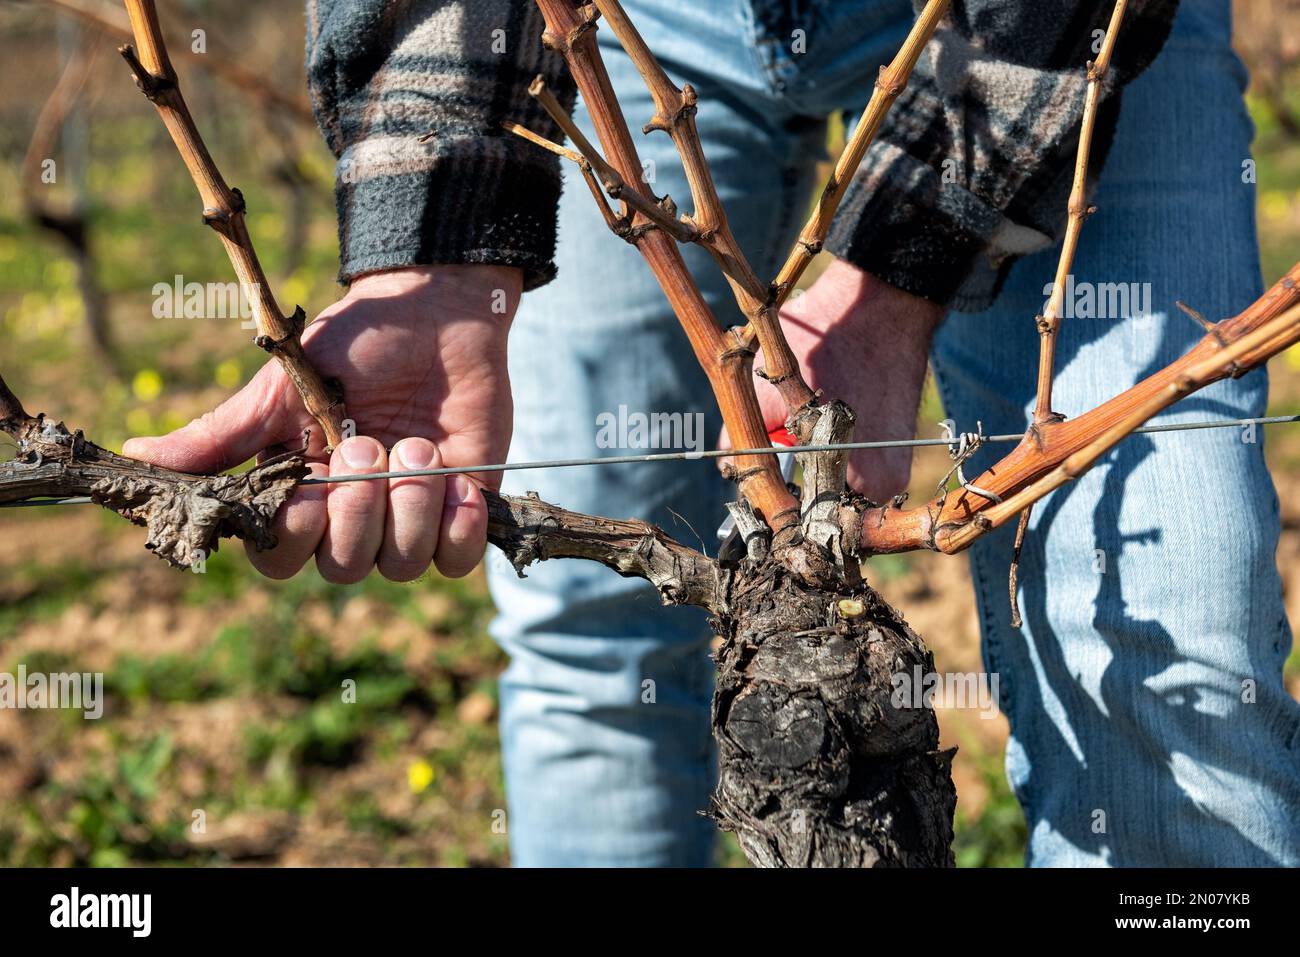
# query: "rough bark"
817,766
528,530
186,515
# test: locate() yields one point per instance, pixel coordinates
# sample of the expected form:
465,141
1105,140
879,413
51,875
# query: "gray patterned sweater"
971,168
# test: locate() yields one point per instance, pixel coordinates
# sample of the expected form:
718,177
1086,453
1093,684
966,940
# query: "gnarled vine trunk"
818,766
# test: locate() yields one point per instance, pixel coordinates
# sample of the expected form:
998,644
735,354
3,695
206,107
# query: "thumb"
253,418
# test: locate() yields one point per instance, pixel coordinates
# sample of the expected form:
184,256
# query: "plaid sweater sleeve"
410,96
973,165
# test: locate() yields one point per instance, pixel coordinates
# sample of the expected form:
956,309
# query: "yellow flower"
147,385
229,374
419,776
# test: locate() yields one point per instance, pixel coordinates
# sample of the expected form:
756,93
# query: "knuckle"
448,569
399,569
206,430
338,573
275,563
458,561
281,571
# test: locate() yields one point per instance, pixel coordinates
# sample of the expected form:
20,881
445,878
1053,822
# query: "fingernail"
459,491
359,453
415,455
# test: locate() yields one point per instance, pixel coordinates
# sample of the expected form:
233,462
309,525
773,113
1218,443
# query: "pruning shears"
733,547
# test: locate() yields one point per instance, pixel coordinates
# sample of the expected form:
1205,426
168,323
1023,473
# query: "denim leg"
605,703
1149,722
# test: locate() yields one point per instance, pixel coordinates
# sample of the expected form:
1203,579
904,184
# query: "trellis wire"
711,454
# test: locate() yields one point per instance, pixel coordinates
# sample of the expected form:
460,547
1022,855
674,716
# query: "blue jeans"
1149,723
